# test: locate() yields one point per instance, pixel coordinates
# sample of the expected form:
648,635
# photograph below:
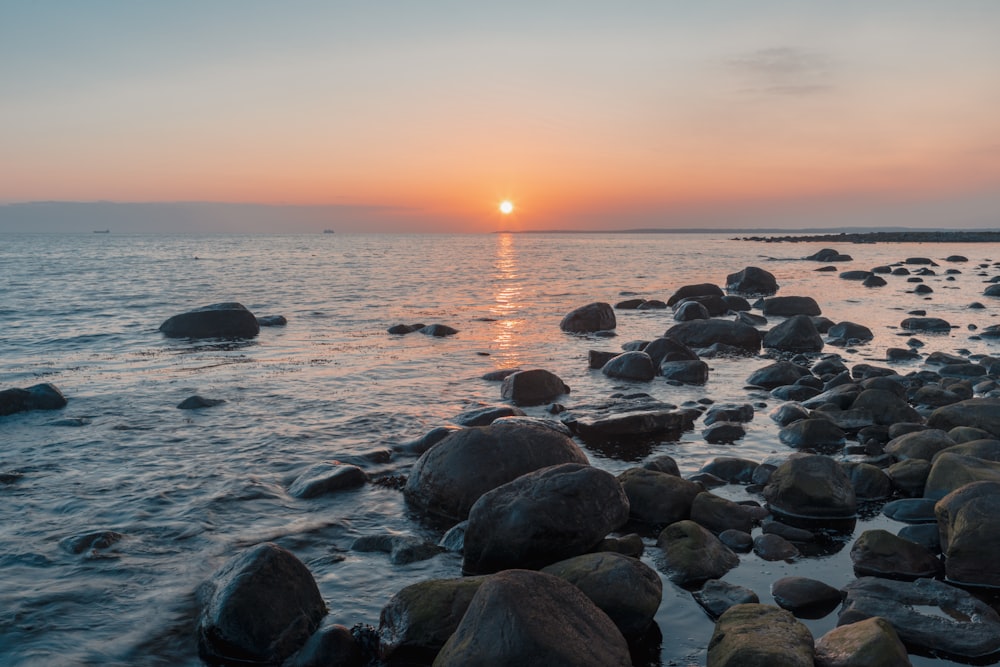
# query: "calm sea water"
189,489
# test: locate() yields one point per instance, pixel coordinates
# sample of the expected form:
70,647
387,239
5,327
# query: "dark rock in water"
43,396
969,527
751,319
486,415
220,320
454,538
732,469
981,413
879,553
637,424
597,316
804,597
736,304
426,441
828,255
543,517
332,646
668,349
816,433
662,463
992,290
719,514
723,432
626,589
796,334
197,402
851,331
438,330
531,618
752,281
687,311
261,606
826,269
717,595
929,615
813,487
869,643
652,304
597,358
686,372
790,533
900,271
703,333
636,366
777,374
935,396
788,413
738,541
855,275
755,635
910,476
919,444
983,448
869,482
323,478
900,354
729,412
692,554
924,534
886,407
956,258
951,471
450,476
532,387
629,304
963,370
923,289
787,306
91,542
874,281
272,321
658,498
773,547
926,261
402,549
929,324
403,329
689,291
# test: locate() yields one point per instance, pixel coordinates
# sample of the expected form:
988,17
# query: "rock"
419,619
43,396
952,471
751,319
752,281
597,358
402,549
685,372
668,349
794,392
909,476
728,412
813,487
499,375
689,291
879,553
820,434
732,469
924,534
629,304
426,441
911,510
935,396
789,306
869,482
630,366
855,275
869,643
658,498
969,528
874,281
597,316
692,554
981,413
197,402
723,432
626,589
992,290
804,597
327,477
261,606
704,333
773,547
736,304
438,330
796,334
450,476
91,542
272,320
755,635
486,415
719,514
220,320
777,374
403,329
851,331
519,617
543,517
717,595
886,407
919,444
686,311
929,615
790,533
737,540
637,424
532,387
828,255
787,413
986,448
928,324
662,463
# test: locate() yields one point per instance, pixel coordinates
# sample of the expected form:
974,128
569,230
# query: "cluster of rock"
45,396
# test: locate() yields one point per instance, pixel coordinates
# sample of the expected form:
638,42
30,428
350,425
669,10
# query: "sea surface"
189,489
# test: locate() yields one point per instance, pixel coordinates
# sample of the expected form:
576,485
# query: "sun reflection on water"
507,303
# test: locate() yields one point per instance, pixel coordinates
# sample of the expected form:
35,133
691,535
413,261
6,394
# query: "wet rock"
952,471
626,589
812,486
689,291
723,432
992,290
879,553
640,423
543,517
935,396
732,469
869,482
662,463
629,304
522,617
450,476
804,597
981,413
426,441
43,396
717,595
919,444
796,334
986,448
532,387
738,541
828,255
909,476
668,349
969,528
687,311
820,434
332,646
728,412
597,316
658,498
788,413
928,324
789,306
874,281
704,333
851,331
855,275
220,320
869,643
402,549
886,407
197,402
692,554
327,477
719,514
261,606
772,547
92,542
911,510
498,375
924,534
751,319
757,634
777,374
929,615
272,321
636,366
485,415
596,359
790,533
752,281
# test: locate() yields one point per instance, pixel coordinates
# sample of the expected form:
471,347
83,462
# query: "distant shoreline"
886,237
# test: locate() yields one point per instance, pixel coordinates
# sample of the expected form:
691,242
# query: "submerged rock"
197,402
220,320
327,477
45,396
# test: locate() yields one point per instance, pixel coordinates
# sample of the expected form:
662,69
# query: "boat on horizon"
328,231
102,231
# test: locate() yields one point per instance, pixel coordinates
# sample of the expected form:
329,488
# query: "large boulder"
928,615
532,387
597,316
969,529
886,407
757,635
327,477
260,607
624,588
692,554
879,553
635,424
527,618
796,334
813,487
450,476
543,517
919,444
950,472
689,310
778,374
632,365
705,333
787,306
928,324
872,642
752,281
220,320
668,349
43,396
685,372
981,413
658,498
690,291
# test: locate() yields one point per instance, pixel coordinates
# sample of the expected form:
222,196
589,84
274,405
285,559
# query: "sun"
506,207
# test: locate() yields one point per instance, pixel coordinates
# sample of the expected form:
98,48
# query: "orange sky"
586,114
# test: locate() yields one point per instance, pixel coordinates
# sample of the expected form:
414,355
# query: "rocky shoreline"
884,237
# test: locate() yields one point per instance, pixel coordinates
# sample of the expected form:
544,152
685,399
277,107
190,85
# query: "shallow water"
188,489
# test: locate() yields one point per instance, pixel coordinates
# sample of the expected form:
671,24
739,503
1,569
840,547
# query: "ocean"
188,489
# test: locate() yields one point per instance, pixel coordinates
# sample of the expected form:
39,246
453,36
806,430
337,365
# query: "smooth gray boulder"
969,531
220,320
919,444
872,642
718,595
658,498
45,396
950,472
927,324
689,291
327,477
636,424
686,372
851,331
820,434
668,349
532,387
804,597
778,374
757,635
597,316
879,553
261,606
796,334
752,281
450,476
634,365
813,487
543,517
687,311
692,554
981,413
518,617
886,407
719,514
330,646
438,330
789,306
705,333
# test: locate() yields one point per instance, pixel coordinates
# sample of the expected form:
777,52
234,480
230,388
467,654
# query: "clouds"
784,70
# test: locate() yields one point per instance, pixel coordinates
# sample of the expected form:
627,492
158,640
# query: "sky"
423,116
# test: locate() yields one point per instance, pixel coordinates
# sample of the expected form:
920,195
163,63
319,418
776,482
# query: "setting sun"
506,207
